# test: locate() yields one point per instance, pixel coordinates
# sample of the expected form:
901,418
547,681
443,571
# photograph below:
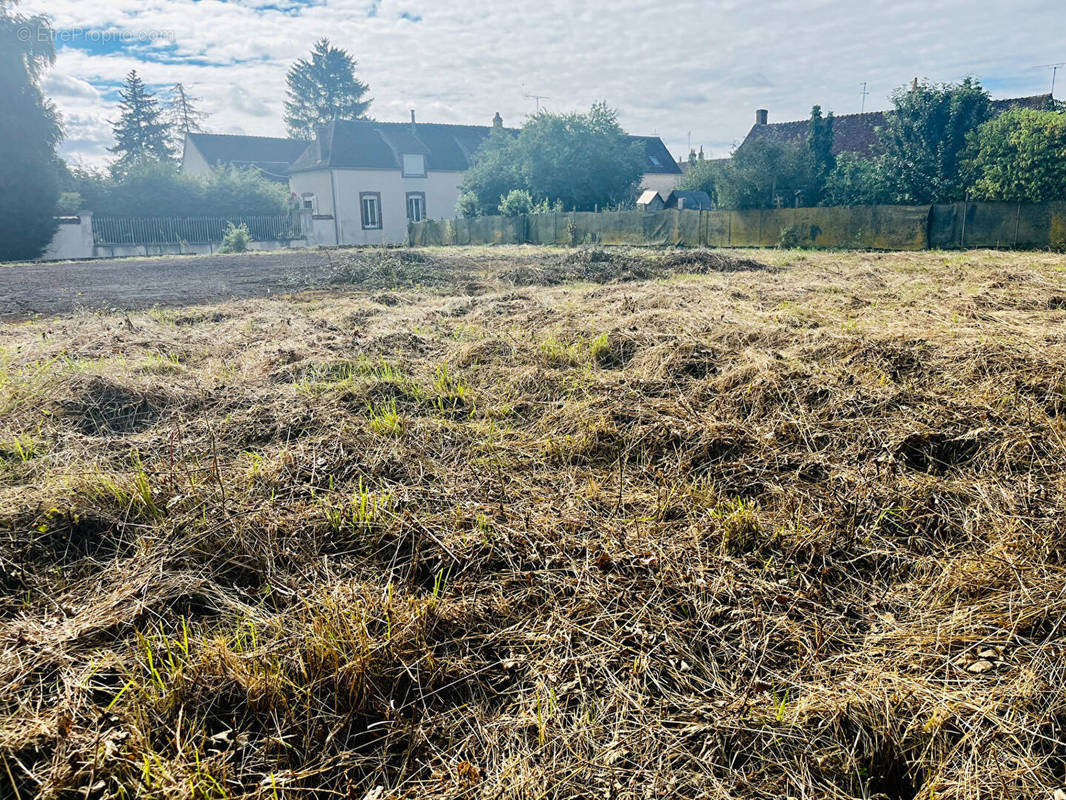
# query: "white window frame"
369,223
421,198
309,202
414,165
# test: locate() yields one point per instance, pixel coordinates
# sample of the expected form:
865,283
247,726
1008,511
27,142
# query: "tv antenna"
538,98
865,94
1054,73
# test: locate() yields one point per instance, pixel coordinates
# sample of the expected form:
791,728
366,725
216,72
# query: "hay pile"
762,533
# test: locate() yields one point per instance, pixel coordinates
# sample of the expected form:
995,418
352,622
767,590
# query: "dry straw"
519,523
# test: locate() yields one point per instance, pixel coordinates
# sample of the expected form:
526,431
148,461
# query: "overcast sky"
670,68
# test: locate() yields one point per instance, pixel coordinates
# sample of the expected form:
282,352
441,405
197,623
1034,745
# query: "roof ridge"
889,110
247,136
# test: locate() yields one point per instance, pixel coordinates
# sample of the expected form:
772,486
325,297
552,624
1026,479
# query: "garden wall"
962,225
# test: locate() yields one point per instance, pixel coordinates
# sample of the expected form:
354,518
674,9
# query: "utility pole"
864,96
1054,73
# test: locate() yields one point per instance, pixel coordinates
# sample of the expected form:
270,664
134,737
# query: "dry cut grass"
516,523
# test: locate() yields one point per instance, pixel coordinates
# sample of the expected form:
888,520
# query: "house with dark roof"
362,181
857,133
661,172
365,181
204,152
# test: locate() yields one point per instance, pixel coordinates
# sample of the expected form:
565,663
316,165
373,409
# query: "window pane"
371,215
416,208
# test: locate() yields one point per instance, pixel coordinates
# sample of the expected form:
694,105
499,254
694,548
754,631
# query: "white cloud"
57,85
691,65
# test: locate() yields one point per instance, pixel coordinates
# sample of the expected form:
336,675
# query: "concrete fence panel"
961,225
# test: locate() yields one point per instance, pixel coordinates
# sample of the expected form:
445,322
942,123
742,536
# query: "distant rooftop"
366,144
857,133
270,155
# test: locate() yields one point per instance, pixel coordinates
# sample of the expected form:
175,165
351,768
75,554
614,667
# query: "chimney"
761,116
412,117
497,121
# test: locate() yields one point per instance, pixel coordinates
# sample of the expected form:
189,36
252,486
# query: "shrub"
515,203
468,205
159,189
236,238
856,181
1020,157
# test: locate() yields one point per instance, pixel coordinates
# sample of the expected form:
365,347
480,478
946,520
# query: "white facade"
73,239
659,182
352,222
193,162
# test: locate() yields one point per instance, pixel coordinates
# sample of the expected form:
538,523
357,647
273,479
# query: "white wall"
663,184
441,190
192,161
318,227
73,240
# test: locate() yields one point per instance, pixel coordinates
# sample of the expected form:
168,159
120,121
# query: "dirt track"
138,283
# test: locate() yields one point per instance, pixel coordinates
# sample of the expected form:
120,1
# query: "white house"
361,182
364,181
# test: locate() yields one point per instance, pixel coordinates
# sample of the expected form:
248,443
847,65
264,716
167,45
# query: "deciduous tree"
582,161
30,131
765,174
925,137
702,176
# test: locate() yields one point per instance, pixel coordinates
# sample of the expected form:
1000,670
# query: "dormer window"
414,166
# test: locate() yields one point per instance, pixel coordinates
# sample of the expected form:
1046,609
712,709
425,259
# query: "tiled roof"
365,144
272,156
657,159
857,133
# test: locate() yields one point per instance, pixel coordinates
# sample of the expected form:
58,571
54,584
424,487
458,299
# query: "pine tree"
30,131
183,115
323,89
141,134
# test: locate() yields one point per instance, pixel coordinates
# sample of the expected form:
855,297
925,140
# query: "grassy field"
519,523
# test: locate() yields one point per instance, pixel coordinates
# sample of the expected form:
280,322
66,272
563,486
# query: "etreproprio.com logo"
92,36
